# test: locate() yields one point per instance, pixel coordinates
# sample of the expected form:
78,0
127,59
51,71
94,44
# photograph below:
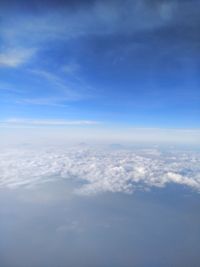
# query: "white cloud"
99,170
15,57
40,122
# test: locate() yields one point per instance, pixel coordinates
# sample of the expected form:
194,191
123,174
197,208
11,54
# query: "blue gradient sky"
132,63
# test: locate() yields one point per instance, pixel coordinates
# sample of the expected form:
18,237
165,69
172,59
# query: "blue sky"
126,63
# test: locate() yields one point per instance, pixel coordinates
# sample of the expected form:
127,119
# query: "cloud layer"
100,170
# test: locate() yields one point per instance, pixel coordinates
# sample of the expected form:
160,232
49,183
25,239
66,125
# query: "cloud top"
100,170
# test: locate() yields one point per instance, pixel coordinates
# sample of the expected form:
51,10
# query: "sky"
101,66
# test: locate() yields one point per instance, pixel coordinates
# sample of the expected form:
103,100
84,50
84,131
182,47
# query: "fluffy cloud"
100,170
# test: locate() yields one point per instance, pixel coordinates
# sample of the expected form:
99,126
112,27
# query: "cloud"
71,69
41,24
72,91
45,101
100,170
95,17
57,91
15,57
40,122
7,87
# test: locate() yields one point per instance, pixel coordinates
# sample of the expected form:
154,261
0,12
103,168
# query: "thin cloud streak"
51,122
71,91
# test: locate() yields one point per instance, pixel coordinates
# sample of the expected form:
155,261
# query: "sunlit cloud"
100,170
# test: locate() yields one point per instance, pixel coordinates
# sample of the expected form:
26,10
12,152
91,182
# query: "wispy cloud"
71,69
7,87
45,101
89,18
70,91
15,57
45,75
40,122
98,18
58,91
